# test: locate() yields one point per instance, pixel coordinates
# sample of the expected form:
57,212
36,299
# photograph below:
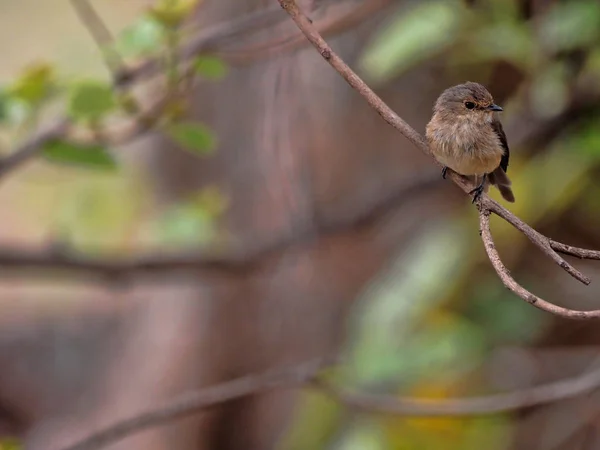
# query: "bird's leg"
479,189
444,170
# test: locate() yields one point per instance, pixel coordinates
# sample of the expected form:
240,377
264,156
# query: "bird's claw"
444,170
477,193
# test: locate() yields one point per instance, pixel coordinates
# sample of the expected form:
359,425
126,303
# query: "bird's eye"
469,105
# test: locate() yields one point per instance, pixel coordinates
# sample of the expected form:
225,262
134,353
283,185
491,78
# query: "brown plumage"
466,135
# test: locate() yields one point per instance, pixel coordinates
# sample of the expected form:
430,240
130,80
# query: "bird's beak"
494,107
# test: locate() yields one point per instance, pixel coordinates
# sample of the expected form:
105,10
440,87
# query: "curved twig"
511,283
486,204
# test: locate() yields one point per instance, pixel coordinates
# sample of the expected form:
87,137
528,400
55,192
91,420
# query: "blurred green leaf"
570,25
210,67
585,138
510,41
141,39
10,444
100,211
550,91
592,65
193,221
414,36
365,434
35,84
91,100
4,105
183,226
193,136
316,419
502,316
400,299
503,11
171,13
91,157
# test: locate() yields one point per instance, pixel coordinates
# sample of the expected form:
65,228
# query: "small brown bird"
466,136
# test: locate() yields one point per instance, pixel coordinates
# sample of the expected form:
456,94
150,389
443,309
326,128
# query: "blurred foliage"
90,101
10,444
491,30
90,156
172,13
98,211
195,137
193,221
210,67
142,39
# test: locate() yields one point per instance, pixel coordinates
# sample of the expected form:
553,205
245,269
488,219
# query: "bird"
465,134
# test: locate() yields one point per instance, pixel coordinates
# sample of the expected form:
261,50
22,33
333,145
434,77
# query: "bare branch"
328,26
510,282
582,253
469,406
54,261
209,39
32,146
541,241
195,402
306,376
485,203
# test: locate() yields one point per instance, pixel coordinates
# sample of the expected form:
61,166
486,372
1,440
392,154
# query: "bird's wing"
497,127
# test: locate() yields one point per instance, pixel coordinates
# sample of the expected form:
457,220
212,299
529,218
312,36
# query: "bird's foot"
477,191
444,170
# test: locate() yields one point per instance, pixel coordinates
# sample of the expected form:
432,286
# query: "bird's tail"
500,180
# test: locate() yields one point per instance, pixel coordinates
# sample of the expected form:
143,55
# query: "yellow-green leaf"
35,83
210,67
4,105
91,100
195,137
91,157
170,13
141,39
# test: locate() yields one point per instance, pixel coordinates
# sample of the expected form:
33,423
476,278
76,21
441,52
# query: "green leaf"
91,100
92,157
171,13
194,221
195,137
570,25
210,67
141,39
35,84
416,35
4,105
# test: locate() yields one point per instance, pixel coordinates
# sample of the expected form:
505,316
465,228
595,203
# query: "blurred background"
371,254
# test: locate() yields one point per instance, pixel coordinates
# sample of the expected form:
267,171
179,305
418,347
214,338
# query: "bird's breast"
467,148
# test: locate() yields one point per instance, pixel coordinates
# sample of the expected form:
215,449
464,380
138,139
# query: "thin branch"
468,406
538,239
100,33
209,39
32,146
582,253
307,376
327,26
195,402
486,204
52,261
511,283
